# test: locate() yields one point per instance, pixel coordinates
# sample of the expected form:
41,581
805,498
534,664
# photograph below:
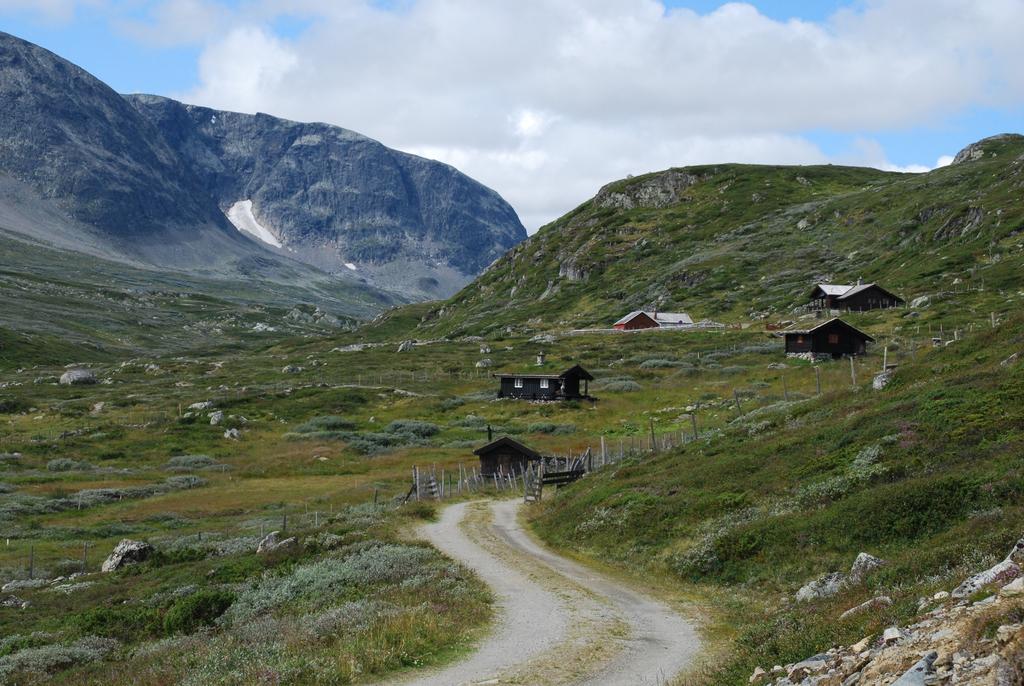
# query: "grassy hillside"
925,474
729,242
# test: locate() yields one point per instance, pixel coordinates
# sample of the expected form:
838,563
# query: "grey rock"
920,301
201,406
233,434
824,586
485,363
873,604
127,552
882,380
291,369
1003,572
273,542
976,150
917,675
654,190
406,346
216,418
78,377
863,566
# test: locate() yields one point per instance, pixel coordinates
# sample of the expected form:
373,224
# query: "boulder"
200,407
273,542
406,346
1014,588
216,418
1002,573
920,301
882,380
485,363
863,566
918,674
77,377
873,604
127,552
291,369
824,586
233,434
1016,553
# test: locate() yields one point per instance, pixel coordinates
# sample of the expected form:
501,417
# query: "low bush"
328,423
51,658
412,426
662,363
63,464
182,463
128,623
199,609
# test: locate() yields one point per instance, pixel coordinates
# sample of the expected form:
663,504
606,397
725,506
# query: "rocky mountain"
340,200
159,183
75,152
736,241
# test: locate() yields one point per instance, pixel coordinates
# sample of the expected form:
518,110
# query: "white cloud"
548,100
56,11
178,22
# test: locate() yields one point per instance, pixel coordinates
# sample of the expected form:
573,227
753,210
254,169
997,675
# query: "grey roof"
827,323
630,316
833,288
672,318
506,442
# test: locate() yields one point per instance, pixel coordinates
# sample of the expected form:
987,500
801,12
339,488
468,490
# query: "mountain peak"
976,150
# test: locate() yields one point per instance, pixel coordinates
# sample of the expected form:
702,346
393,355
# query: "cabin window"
833,339
519,383
543,383
800,339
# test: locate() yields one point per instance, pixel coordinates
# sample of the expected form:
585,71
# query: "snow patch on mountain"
240,214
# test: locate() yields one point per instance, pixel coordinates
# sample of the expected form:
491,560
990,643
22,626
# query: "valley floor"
558,621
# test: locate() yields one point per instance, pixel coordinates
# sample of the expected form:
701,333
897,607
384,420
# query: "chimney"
540,359
490,434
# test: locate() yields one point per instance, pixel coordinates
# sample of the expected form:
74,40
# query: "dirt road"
558,622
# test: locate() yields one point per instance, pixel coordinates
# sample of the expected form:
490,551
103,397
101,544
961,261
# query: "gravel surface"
558,622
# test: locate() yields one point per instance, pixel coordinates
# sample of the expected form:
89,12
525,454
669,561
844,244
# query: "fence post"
785,389
654,442
31,561
736,397
853,373
602,450
817,378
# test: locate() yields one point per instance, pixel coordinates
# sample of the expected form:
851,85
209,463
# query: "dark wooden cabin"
564,386
833,338
858,298
505,456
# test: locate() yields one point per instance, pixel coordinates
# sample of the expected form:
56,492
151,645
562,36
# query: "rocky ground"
971,635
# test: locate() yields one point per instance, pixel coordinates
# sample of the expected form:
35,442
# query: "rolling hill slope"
740,241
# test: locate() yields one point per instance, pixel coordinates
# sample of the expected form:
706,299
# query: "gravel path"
558,622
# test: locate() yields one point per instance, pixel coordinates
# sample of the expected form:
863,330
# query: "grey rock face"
81,146
334,196
127,552
975,151
657,190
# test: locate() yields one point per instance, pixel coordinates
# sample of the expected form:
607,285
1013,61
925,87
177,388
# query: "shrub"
201,608
550,428
661,363
470,421
181,463
13,405
51,658
124,622
412,426
328,423
63,464
621,386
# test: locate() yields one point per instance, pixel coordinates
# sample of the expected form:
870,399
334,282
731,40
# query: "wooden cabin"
505,456
858,298
653,320
834,338
634,321
530,386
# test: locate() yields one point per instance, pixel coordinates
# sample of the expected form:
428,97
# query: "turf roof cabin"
505,456
564,386
863,296
834,338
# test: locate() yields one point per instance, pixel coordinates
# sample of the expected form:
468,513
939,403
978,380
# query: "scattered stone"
216,418
127,552
861,645
78,377
941,595
873,604
917,675
891,635
824,586
1001,574
406,346
920,301
485,363
1014,588
757,676
544,338
811,665
200,407
485,349
233,434
863,566
97,408
272,542
1012,359
882,380
291,369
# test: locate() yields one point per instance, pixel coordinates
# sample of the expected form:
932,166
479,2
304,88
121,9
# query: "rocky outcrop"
834,583
77,377
273,542
976,150
654,190
125,553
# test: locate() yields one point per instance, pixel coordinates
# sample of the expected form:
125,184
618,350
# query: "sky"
547,100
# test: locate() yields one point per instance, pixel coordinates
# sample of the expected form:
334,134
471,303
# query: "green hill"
734,241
